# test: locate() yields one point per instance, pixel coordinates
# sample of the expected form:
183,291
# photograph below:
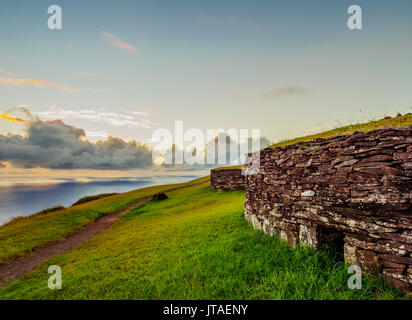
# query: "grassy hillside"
20,236
400,121
195,245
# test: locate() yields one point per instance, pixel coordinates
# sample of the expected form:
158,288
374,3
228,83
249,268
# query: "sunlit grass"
195,245
23,234
401,121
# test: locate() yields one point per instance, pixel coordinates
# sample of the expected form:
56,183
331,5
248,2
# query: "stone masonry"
356,189
227,179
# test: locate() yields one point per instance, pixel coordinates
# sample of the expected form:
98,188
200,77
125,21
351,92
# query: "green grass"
20,236
92,198
400,121
194,245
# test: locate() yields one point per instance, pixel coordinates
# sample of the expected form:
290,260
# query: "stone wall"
356,189
227,179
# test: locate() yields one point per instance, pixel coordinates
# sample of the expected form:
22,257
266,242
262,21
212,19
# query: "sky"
126,68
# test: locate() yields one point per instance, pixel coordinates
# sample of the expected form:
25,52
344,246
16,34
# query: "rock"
358,186
289,237
256,223
357,241
359,194
392,279
390,264
340,160
309,236
159,196
397,259
377,158
402,155
393,247
308,193
405,236
227,179
407,165
268,228
369,261
349,252
347,163
379,170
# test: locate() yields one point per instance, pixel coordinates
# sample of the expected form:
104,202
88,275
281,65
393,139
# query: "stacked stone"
356,187
227,179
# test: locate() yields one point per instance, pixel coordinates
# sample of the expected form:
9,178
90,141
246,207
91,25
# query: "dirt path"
19,267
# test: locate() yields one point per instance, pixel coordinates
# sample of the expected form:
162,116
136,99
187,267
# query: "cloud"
142,112
36,83
232,155
6,72
115,42
97,134
55,145
19,113
109,117
287,91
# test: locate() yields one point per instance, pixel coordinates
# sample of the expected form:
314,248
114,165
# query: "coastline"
25,199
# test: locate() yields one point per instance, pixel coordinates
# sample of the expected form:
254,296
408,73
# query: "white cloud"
54,144
115,42
96,134
102,116
37,84
6,72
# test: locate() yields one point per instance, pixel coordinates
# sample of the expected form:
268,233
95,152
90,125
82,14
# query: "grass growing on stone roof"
399,121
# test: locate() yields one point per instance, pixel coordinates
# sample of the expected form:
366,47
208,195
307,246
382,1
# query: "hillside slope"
194,245
22,235
399,121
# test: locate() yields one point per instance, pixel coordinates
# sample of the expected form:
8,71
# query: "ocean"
26,199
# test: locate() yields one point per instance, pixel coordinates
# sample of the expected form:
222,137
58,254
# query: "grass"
92,198
194,245
20,236
400,121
